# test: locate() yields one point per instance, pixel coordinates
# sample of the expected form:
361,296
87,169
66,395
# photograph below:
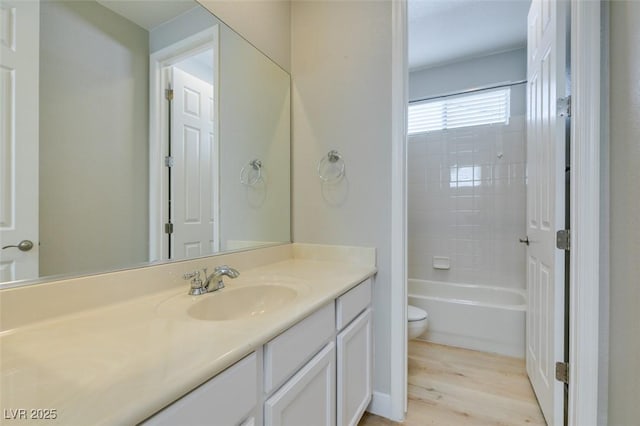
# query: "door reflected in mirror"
132,134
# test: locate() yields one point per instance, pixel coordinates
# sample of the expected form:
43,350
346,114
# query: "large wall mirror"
135,132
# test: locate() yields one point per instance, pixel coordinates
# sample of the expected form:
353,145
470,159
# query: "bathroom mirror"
135,132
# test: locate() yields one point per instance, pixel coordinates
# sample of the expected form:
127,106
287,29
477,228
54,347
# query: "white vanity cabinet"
230,398
335,386
315,373
354,354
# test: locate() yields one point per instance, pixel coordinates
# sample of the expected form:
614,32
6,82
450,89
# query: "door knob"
524,240
24,245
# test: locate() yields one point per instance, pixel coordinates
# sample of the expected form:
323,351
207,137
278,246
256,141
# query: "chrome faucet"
198,286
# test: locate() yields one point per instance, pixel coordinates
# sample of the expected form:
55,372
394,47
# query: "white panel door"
19,40
355,361
309,397
195,171
545,202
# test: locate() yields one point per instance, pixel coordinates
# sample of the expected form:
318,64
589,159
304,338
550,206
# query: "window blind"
487,107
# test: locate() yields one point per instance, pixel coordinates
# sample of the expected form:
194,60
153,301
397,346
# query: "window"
486,107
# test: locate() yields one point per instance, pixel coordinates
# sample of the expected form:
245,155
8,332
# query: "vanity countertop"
121,363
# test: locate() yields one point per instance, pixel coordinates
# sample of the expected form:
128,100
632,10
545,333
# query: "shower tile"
434,161
417,146
464,202
441,275
484,203
432,173
467,276
464,232
471,205
465,159
483,157
435,147
500,171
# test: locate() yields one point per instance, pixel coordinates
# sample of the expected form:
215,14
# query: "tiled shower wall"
466,196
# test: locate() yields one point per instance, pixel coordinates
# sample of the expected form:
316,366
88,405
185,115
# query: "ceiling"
148,17
446,31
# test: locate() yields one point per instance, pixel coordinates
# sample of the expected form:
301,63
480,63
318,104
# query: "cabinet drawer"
350,304
227,399
285,354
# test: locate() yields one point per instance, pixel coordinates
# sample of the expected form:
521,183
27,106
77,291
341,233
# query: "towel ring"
251,173
331,167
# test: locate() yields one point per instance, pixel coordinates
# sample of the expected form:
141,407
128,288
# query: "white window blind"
486,107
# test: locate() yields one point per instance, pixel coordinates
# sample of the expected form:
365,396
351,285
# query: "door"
19,39
194,174
354,366
546,65
308,398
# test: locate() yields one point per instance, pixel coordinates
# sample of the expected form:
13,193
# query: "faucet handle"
194,274
196,283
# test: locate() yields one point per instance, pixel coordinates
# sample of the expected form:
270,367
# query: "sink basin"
241,303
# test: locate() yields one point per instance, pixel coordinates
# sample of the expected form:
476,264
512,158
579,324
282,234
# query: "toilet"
418,321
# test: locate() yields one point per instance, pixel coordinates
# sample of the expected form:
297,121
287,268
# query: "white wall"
341,99
624,339
264,23
93,158
466,187
182,26
254,124
468,74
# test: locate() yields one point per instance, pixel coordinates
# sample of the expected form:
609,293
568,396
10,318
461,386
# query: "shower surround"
466,196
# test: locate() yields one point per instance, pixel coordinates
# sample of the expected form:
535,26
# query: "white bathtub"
490,319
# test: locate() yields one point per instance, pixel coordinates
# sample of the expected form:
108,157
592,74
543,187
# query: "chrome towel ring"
251,173
331,167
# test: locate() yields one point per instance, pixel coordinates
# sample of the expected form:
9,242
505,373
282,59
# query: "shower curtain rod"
477,89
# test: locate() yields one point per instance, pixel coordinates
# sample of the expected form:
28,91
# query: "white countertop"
121,363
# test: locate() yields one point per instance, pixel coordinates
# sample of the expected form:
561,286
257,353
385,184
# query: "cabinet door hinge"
563,239
168,228
168,94
562,372
168,161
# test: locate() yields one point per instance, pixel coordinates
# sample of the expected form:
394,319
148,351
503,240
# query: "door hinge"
562,372
168,228
168,161
564,106
563,239
168,94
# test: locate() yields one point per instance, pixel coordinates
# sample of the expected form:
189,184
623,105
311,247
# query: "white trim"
380,404
158,132
585,213
399,102
603,343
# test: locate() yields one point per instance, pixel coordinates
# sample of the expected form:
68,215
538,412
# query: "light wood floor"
451,386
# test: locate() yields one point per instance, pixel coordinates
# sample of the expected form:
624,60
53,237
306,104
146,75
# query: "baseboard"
507,348
380,405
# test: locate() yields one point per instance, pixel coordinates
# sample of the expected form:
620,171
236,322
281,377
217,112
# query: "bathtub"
489,319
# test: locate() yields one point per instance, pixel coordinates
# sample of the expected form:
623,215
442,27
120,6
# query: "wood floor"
451,386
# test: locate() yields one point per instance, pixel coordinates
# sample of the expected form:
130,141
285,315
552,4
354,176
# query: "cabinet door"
309,397
228,399
354,370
